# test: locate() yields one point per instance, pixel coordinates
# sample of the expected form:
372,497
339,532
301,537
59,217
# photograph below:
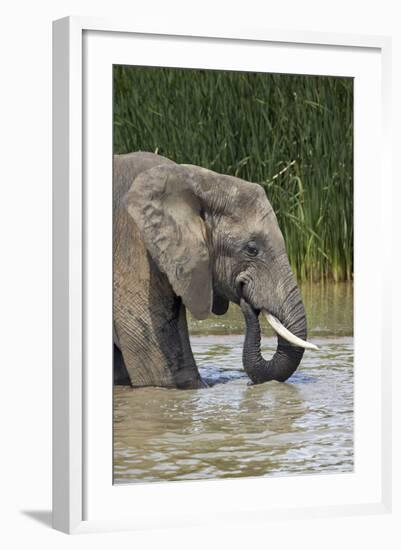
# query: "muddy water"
234,429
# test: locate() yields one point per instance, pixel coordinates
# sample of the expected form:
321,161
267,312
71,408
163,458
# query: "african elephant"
187,237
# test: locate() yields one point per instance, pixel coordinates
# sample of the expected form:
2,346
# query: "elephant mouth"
220,304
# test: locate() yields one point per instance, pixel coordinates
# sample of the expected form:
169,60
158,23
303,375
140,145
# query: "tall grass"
291,134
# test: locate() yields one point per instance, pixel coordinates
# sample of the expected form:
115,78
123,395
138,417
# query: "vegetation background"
292,134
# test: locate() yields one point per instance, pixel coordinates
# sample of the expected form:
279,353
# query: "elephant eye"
252,249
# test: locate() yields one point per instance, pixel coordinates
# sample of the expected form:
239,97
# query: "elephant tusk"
285,333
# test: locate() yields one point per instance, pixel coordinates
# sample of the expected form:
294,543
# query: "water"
235,429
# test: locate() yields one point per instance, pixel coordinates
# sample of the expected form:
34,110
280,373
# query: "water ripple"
234,429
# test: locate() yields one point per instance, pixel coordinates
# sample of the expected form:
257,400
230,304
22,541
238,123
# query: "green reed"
292,134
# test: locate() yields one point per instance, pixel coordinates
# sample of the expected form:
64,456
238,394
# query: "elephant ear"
165,207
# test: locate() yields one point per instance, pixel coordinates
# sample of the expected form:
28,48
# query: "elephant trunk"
287,356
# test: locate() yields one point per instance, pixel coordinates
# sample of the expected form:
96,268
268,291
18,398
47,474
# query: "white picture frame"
83,496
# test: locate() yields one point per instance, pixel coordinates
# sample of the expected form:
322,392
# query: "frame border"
68,250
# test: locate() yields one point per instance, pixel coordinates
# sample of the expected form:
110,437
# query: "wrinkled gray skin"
187,237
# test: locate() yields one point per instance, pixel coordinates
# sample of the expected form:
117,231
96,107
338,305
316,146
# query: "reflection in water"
234,429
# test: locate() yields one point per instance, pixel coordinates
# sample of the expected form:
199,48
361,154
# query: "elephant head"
217,239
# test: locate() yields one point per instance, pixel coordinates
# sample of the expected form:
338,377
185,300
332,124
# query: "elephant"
185,237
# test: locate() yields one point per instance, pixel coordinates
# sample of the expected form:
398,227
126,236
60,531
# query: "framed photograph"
218,326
